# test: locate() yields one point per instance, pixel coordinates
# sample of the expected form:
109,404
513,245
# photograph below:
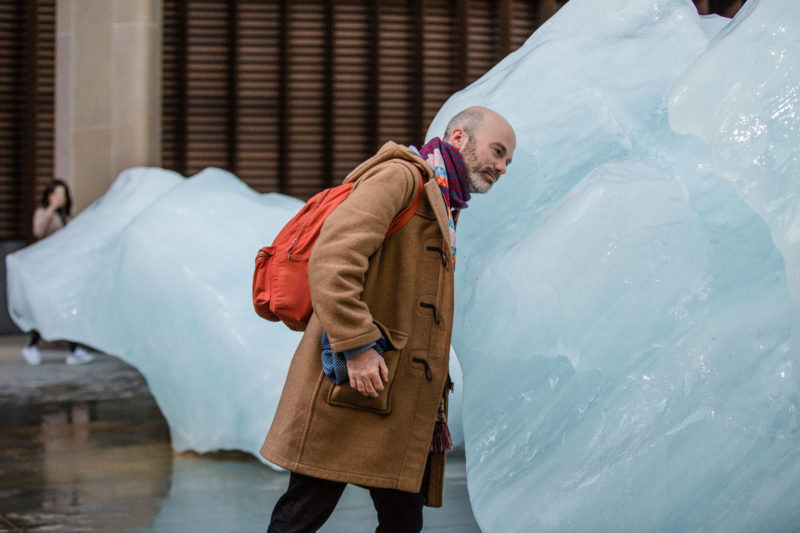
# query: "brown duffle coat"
364,285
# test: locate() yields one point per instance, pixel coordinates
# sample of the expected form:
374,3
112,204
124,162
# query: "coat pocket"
345,396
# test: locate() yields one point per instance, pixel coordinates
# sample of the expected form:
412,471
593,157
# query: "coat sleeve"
340,258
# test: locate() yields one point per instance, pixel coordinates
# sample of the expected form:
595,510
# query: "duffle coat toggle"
441,254
436,316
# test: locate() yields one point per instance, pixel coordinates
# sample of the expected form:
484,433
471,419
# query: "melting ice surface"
627,293
158,272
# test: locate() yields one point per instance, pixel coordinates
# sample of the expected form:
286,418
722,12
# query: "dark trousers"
309,501
33,340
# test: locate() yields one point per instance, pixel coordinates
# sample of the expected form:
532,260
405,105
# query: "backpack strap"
406,214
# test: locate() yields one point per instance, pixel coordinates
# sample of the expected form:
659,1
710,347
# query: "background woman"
53,213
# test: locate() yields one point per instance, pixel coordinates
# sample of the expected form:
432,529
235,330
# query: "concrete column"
108,92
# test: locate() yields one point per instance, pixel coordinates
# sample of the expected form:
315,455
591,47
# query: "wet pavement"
85,448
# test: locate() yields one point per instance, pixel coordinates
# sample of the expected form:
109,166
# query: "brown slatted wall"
45,94
292,95
396,76
439,58
524,20
548,8
352,83
305,92
482,47
207,87
172,88
27,72
12,83
258,97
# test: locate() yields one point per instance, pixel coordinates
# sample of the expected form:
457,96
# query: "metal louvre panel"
523,22
12,84
352,84
548,8
172,91
45,94
207,85
396,72
305,94
291,96
27,106
439,55
259,95
482,46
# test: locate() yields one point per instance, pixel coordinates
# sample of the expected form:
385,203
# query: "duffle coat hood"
364,285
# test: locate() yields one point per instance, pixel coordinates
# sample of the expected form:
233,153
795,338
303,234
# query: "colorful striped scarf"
451,175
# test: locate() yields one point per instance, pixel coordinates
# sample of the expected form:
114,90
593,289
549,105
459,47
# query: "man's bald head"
486,141
469,120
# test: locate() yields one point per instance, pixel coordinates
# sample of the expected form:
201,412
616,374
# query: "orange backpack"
280,280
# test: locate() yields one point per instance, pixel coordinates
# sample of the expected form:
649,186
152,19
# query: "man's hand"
367,372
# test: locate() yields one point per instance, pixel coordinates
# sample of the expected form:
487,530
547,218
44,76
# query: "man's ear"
458,138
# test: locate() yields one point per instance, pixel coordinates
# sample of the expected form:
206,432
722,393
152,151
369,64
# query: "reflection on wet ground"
77,470
87,449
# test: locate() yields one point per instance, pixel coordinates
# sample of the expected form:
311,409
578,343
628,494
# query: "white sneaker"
32,355
79,357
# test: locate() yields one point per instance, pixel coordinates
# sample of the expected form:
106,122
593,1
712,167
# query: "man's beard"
477,180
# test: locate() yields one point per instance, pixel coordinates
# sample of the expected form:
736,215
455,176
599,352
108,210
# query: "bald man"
365,399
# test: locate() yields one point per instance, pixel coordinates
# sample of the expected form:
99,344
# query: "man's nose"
500,166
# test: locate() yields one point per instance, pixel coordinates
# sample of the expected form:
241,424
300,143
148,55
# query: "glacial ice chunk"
624,309
158,272
752,126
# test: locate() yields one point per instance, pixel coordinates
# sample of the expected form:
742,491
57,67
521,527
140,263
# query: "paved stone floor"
85,448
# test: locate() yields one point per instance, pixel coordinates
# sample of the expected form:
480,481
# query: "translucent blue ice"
155,272
626,294
158,272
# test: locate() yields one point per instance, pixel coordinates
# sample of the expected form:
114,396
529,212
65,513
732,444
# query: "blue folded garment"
334,364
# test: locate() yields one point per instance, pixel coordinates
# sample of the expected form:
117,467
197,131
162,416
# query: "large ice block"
624,307
752,125
158,272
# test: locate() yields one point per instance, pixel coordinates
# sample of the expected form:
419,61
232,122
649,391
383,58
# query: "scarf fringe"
442,440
